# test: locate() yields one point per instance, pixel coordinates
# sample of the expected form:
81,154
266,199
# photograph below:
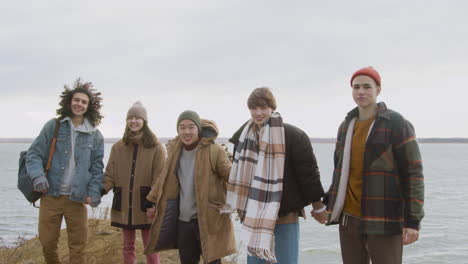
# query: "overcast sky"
209,55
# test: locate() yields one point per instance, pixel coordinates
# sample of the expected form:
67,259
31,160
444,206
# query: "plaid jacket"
393,182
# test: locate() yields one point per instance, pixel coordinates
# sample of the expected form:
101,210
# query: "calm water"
443,238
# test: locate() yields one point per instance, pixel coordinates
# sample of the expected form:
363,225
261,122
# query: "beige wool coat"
128,205
216,230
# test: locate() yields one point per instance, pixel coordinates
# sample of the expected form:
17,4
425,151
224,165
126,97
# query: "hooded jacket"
216,230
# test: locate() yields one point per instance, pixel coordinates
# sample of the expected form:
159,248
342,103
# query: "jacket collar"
382,112
86,127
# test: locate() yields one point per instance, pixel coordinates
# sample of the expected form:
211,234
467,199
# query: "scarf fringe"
262,253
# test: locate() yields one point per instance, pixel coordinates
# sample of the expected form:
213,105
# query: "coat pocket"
117,200
144,190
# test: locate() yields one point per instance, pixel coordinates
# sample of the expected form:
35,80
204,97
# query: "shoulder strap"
52,146
214,150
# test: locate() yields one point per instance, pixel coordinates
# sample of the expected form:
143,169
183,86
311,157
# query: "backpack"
25,183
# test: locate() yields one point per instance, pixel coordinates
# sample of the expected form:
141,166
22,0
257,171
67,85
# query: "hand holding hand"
321,217
93,201
151,212
319,212
409,236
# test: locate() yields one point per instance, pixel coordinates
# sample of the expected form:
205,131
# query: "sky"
209,55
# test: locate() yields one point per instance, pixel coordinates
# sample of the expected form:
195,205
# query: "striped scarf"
256,184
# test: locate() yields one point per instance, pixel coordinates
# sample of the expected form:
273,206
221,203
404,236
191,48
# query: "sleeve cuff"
413,224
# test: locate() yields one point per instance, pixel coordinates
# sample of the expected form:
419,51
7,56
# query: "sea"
443,236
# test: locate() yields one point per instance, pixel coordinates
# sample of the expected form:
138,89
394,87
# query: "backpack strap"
52,146
214,150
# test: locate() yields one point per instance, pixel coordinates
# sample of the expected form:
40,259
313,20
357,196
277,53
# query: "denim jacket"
89,154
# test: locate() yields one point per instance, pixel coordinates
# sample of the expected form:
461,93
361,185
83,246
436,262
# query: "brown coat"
149,166
216,230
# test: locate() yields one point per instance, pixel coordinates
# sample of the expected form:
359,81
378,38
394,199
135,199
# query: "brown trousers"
358,248
51,212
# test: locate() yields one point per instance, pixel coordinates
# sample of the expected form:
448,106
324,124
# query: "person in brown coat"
190,194
136,162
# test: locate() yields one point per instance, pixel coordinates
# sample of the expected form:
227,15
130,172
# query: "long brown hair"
148,138
93,113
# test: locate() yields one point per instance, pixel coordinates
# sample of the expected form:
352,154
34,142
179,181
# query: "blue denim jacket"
89,153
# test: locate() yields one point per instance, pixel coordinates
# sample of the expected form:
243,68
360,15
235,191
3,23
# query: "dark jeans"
358,248
188,241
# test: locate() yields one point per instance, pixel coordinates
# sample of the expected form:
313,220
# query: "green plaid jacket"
393,182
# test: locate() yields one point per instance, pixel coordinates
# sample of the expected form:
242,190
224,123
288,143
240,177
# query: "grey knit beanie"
137,110
189,115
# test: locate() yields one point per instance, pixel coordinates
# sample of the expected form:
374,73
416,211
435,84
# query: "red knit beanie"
369,71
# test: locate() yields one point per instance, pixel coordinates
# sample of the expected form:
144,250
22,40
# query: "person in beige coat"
188,197
136,162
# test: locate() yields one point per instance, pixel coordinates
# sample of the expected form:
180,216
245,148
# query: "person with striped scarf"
377,192
273,177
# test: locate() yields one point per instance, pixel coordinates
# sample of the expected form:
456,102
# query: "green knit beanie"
189,115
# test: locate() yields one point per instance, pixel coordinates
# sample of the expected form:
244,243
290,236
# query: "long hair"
93,113
148,138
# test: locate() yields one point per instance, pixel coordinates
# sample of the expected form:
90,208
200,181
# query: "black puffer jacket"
301,180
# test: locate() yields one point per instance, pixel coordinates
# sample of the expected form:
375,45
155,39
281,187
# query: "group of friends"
181,195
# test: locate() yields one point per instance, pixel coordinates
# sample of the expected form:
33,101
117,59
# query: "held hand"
319,212
409,236
151,212
93,201
321,217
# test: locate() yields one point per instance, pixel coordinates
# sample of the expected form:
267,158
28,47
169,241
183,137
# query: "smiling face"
260,115
188,132
135,123
79,104
365,91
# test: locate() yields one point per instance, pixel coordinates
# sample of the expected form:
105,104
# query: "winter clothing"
88,155
131,171
301,179
137,110
216,230
256,183
392,181
189,115
368,71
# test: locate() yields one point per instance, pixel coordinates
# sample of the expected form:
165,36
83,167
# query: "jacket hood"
208,134
209,130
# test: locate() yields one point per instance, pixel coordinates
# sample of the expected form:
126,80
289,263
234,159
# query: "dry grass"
104,247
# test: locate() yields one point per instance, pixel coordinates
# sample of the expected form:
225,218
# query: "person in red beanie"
377,192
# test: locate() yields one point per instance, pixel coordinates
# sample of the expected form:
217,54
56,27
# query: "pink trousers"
129,246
